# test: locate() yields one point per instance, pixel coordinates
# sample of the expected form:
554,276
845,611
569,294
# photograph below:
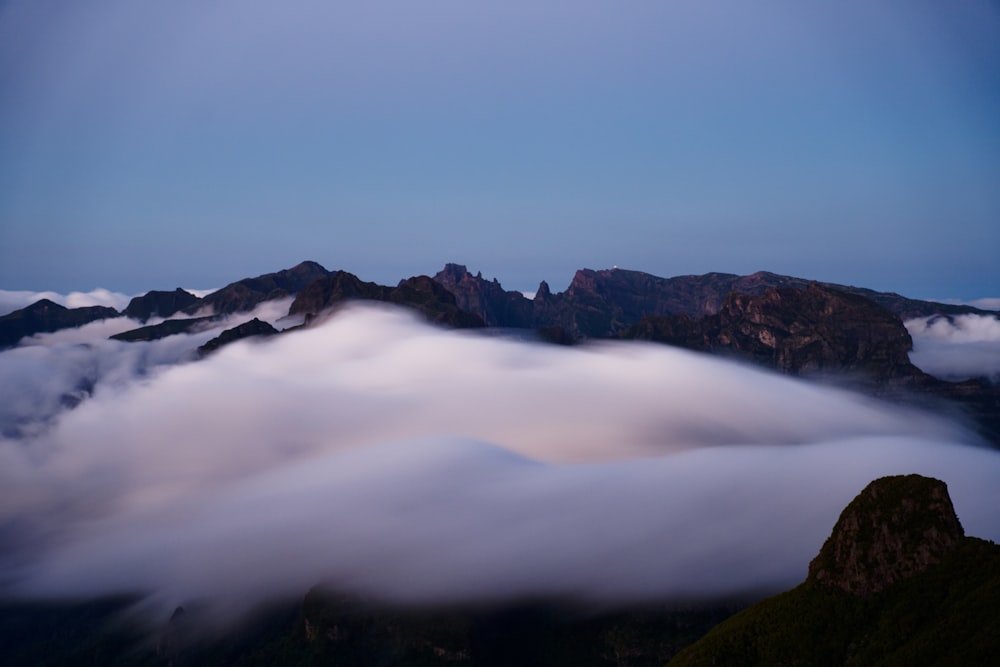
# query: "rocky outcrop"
797,331
45,316
164,329
250,329
895,528
496,306
896,583
158,304
243,295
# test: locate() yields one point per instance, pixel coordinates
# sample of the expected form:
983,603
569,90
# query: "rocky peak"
158,303
486,299
895,528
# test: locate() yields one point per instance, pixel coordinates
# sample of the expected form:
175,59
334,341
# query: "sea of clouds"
380,454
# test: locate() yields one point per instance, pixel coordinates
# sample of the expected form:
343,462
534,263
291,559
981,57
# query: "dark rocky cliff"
896,528
488,299
797,331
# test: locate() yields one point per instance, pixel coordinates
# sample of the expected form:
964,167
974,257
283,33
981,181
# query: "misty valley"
307,468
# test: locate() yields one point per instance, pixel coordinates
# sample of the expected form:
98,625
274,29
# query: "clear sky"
151,145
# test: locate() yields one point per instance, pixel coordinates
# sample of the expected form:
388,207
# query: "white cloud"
11,300
958,347
385,455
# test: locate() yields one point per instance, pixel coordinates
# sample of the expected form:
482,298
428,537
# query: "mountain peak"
895,528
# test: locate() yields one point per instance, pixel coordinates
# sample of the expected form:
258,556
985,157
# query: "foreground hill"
896,583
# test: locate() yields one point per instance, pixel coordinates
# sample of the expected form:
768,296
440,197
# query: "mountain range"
839,333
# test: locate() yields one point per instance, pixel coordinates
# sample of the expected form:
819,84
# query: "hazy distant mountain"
46,316
896,583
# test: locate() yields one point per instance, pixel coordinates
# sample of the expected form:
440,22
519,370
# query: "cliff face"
488,299
897,527
797,331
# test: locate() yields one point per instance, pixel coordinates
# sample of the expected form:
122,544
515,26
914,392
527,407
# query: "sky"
152,145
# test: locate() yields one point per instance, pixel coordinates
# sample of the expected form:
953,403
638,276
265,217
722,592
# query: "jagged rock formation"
602,303
496,306
165,328
896,583
420,293
45,316
249,329
243,295
796,331
158,304
897,527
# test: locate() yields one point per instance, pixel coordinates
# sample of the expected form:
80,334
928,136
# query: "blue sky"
150,145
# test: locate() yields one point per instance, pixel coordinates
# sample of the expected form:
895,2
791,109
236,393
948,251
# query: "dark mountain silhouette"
243,295
158,304
795,330
486,298
420,293
250,329
896,583
46,316
602,303
165,328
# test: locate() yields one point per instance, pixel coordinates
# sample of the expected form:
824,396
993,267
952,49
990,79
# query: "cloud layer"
380,454
958,347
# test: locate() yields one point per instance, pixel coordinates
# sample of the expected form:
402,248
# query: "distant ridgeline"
792,325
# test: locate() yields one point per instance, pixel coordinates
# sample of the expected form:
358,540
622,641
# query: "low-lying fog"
384,455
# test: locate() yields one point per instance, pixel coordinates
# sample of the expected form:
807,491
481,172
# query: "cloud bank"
379,454
958,347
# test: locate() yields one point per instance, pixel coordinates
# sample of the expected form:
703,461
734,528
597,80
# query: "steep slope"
896,583
45,316
488,299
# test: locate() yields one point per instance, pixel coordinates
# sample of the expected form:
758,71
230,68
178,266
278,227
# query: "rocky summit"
897,527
